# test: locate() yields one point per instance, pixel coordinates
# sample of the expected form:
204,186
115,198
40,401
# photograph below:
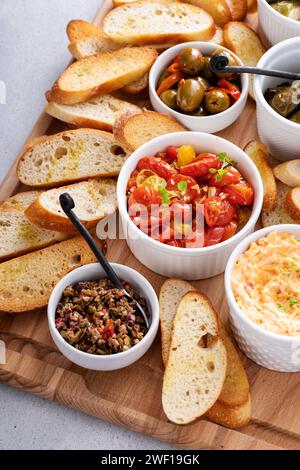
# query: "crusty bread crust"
218,9
81,29
238,9
234,417
61,93
292,204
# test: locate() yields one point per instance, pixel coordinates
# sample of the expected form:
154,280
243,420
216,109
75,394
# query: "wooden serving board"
132,397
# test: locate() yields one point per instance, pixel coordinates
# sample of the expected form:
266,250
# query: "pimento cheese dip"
266,283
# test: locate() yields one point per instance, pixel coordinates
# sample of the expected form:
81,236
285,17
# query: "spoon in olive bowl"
67,204
219,63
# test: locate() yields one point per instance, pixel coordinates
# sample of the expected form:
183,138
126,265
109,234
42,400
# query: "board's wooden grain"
131,397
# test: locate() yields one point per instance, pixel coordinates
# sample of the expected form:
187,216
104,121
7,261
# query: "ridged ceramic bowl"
186,263
275,27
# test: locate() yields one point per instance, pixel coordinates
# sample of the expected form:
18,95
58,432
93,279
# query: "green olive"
216,101
190,95
282,101
206,71
201,111
231,63
169,97
296,117
191,61
203,82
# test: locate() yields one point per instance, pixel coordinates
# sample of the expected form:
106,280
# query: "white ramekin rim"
266,62
286,21
234,308
151,299
155,72
122,199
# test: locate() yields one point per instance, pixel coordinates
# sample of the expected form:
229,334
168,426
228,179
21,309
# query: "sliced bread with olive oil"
19,201
71,156
94,200
145,22
27,282
100,74
98,113
196,367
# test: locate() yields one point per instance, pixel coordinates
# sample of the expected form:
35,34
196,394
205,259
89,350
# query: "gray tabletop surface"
33,50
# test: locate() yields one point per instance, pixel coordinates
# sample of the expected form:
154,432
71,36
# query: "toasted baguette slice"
101,73
233,417
71,156
19,201
91,46
146,22
196,365
235,390
292,204
245,43
288,173
139,85
81,29
280,215
98,113
238,9
19,236
218,38
26,282
259,155
252,6
133,130
94,200
120,3
218,9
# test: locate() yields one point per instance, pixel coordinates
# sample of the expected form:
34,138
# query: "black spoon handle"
67,204
219,63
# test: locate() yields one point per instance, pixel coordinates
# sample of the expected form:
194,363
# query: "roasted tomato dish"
189,200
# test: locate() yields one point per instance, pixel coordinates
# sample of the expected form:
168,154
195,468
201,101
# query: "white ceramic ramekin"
281,136
210,124
91,272
270,350
275,27
186,263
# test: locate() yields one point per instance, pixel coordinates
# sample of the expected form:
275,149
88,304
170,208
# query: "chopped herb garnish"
212,170
164,194
293,301
223,156
281,307
182,185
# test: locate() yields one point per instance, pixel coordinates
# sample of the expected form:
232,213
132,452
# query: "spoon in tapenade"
219,63
67,204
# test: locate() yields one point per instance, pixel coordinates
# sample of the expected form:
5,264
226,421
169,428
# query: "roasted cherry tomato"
201,165
132,180
180,211
239,193
171,154
154,182
157,165
231,89
196,239
232,176
145,196
186,187
214,235
185,155
218,212
229,230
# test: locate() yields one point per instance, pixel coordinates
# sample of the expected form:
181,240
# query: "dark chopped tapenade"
97,318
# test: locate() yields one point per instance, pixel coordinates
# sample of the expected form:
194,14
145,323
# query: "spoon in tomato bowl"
67,204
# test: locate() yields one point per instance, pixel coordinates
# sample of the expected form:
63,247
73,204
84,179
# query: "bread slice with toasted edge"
196,366
280,214
91,46
218,9
133,130
292,204
252,6
145,22
120,3
246,44
138,86
81,29
218,37
238,9
258,153
71,156
27,282
19,201
100,74
288,173
233,408
19,236
98,113
94,200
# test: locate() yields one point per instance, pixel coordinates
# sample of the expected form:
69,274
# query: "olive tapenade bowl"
210,124
280,135
275,27
112,361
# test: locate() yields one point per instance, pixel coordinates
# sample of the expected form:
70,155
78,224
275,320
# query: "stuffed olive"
285,100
